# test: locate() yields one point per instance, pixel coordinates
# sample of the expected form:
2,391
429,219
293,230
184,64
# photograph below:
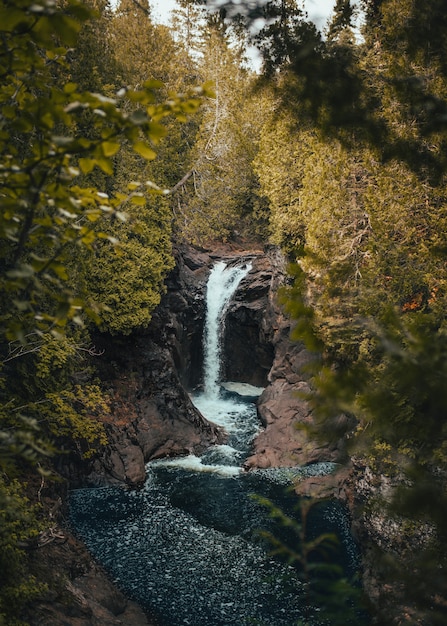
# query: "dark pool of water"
187,546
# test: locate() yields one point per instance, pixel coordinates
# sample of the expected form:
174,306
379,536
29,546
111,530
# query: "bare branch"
181,182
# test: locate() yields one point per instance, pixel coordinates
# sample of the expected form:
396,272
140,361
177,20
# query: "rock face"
80,594
248,337
146,375
282,406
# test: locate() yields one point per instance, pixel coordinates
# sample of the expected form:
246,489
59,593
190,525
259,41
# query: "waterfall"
222,284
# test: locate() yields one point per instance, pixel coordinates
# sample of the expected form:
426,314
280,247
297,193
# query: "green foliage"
20,440
72,414
279,166
128,279
220,197
44,211
354,169
52,356
65,128
19,524
43,403
329,595
49,216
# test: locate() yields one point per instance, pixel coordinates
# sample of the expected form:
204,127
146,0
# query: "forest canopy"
120,137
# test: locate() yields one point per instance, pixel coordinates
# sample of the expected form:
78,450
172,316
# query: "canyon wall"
148,375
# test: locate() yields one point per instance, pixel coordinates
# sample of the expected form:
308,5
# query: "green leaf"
87,165
156,131
70,88
144,150
110,148
11,18
60,270
138,199
152,83
105,165
93,216
133,185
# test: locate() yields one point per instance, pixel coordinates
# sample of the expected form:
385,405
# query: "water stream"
187,546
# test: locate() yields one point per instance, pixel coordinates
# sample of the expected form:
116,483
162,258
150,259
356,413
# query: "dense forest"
120,137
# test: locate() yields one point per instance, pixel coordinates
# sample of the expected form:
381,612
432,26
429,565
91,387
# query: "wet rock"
80,594
283,409
151,414
146,376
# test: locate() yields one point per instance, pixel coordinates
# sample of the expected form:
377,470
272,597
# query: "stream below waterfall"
187,546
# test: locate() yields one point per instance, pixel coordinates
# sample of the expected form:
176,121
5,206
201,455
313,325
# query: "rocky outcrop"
79,591
151,416
283,408
248,345
146,374
76,592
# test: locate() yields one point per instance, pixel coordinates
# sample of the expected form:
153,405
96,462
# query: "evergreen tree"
188,20
222,200
366,225
128,281
91,63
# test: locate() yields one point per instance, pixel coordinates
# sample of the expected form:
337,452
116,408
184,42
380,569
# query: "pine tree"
223,200
368,216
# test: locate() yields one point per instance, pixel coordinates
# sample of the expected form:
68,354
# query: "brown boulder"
284,442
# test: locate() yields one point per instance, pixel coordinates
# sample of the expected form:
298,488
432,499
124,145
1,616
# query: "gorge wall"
148,375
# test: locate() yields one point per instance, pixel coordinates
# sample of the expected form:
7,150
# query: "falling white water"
236,414
222,284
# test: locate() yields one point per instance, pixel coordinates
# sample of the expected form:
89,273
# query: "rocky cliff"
147,375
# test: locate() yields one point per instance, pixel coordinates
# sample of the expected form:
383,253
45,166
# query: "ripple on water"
177,567
186,545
